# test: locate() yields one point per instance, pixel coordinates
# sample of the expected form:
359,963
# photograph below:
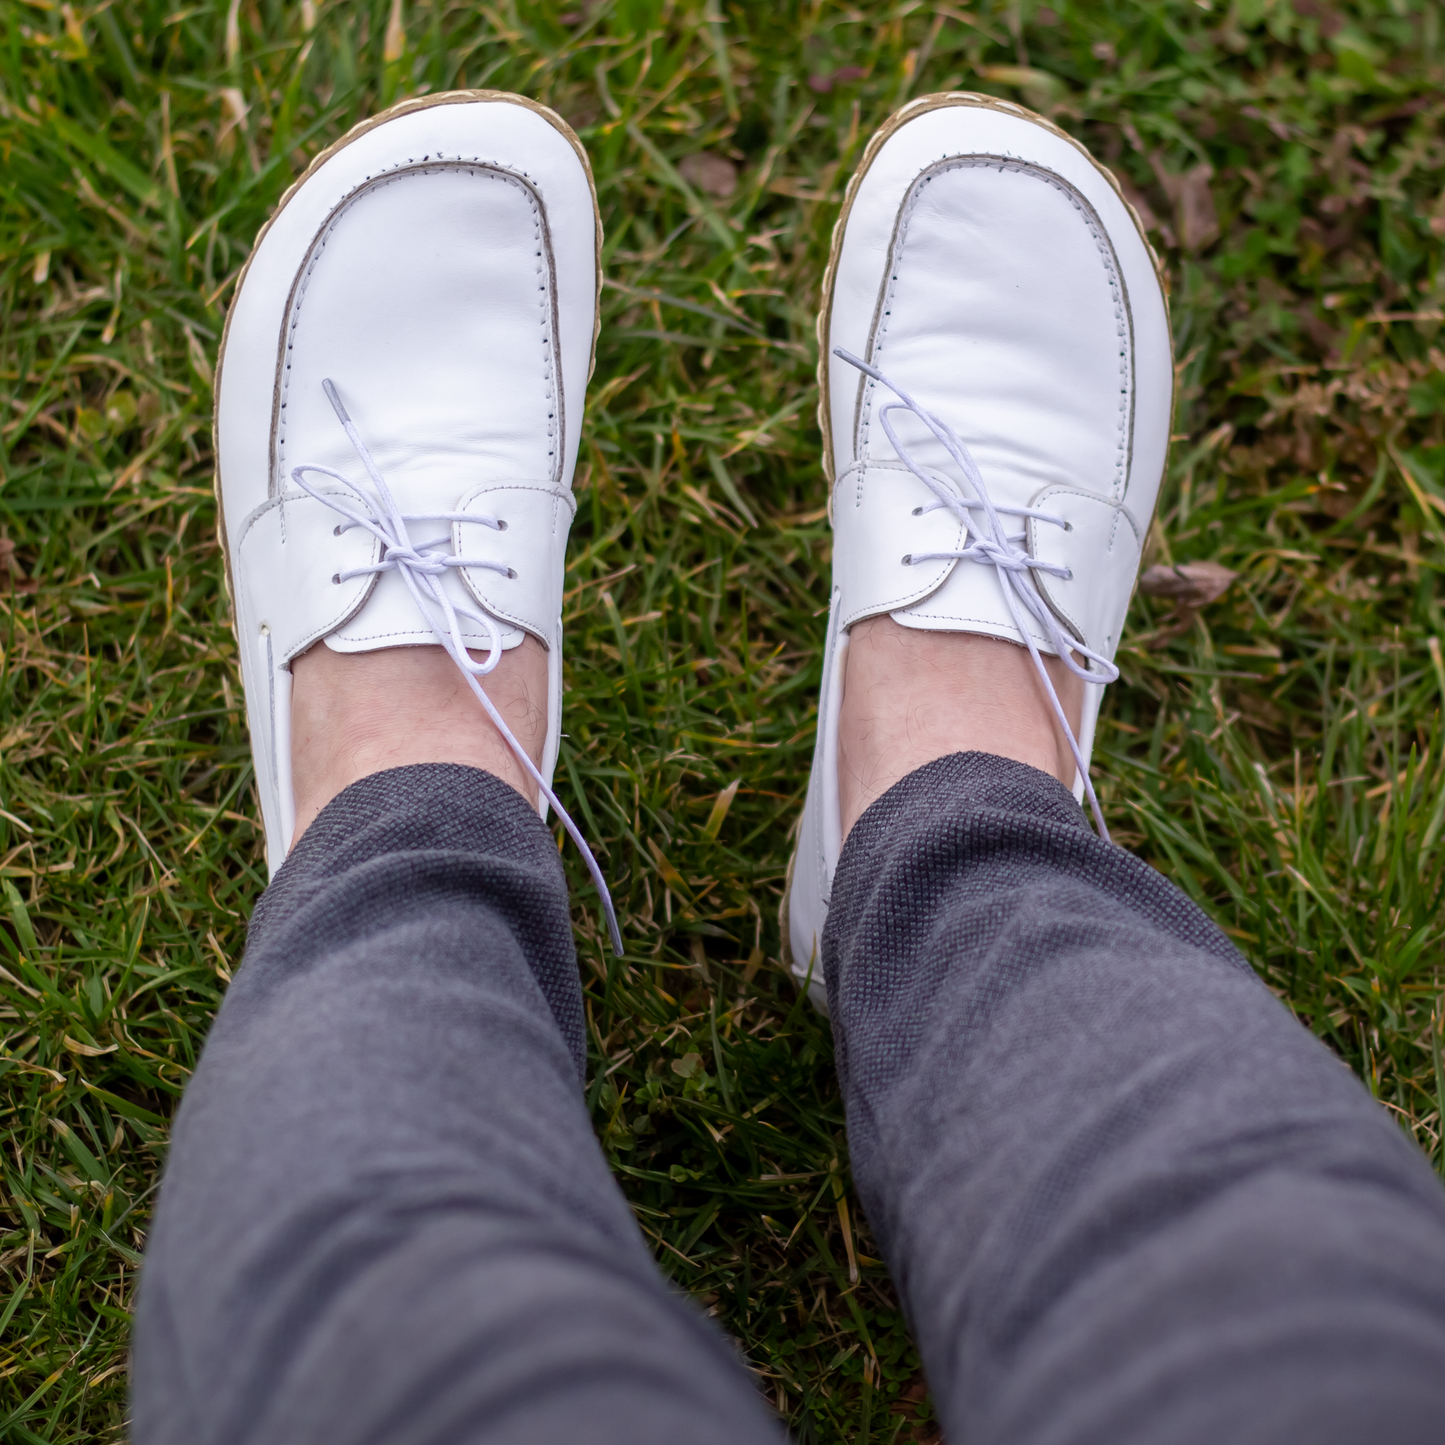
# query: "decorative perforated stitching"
1106,255
428,165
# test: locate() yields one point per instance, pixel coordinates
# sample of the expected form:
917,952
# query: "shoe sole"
940,101
404,107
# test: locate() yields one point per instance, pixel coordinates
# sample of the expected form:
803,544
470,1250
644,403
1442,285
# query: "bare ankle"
911,696
354,714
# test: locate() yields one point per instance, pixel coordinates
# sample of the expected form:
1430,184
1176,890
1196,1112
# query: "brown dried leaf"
1331,21
1194,210
712,173
1137,199
823,82
1190,584
12,574
1195,217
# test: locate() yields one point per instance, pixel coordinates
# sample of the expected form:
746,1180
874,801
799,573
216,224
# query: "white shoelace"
422,566
988,543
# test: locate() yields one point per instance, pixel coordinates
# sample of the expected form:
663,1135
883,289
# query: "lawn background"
1277,752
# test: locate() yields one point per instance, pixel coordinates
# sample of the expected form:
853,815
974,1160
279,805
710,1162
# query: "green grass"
1279,755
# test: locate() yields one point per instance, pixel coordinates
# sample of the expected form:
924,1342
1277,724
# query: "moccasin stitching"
1111,271
370,184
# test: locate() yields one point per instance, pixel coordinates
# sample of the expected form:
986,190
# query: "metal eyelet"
511,573
336,530
336,579
501,526
918,511
908,559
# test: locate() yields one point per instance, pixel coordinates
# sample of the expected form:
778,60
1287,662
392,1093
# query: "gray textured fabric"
1125,1196
385,1217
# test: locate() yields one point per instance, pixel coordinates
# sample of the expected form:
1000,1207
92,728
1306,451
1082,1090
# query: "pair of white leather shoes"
400,394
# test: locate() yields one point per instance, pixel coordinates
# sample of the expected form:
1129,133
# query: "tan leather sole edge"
404,107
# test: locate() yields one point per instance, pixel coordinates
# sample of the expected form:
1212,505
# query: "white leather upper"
530,596
989,268
439,268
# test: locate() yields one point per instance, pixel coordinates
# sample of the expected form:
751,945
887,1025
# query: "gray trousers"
1126,1198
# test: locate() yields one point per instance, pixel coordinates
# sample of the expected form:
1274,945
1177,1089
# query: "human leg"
354,714
385,1216
1126,1197
913,696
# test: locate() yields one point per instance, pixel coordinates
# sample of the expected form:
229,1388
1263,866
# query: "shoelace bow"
988,542
422,566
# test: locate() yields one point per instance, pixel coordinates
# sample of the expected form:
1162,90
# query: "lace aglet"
329,387
845,355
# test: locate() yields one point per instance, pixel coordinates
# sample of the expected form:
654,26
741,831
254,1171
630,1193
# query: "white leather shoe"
996,383
398,404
